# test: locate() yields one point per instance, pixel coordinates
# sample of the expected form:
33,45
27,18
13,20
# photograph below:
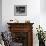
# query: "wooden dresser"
22,33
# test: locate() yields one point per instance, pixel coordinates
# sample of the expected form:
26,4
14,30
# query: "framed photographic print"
20,10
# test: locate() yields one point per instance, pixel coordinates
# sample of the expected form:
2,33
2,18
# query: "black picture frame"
20,10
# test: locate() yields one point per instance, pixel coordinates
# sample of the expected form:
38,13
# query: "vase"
41,43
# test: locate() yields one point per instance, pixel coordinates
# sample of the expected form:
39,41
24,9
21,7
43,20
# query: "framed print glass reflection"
20,10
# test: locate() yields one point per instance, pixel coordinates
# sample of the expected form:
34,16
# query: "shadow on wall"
0,15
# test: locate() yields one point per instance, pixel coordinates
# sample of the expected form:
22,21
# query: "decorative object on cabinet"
20,10
22,33
13,21
27,21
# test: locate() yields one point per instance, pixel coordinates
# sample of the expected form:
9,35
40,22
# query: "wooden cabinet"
22,33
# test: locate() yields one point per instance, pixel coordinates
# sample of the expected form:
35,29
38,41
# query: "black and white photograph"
20,10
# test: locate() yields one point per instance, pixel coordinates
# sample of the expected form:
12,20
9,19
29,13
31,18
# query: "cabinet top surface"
19,23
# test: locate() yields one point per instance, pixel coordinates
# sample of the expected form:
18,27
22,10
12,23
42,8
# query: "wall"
33,10
0,15
43,6
33,14
43,14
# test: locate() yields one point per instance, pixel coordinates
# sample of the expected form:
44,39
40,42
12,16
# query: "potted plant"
41,36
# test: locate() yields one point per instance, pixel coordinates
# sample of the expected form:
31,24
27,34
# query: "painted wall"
43,14
43,6
0,15
33,10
